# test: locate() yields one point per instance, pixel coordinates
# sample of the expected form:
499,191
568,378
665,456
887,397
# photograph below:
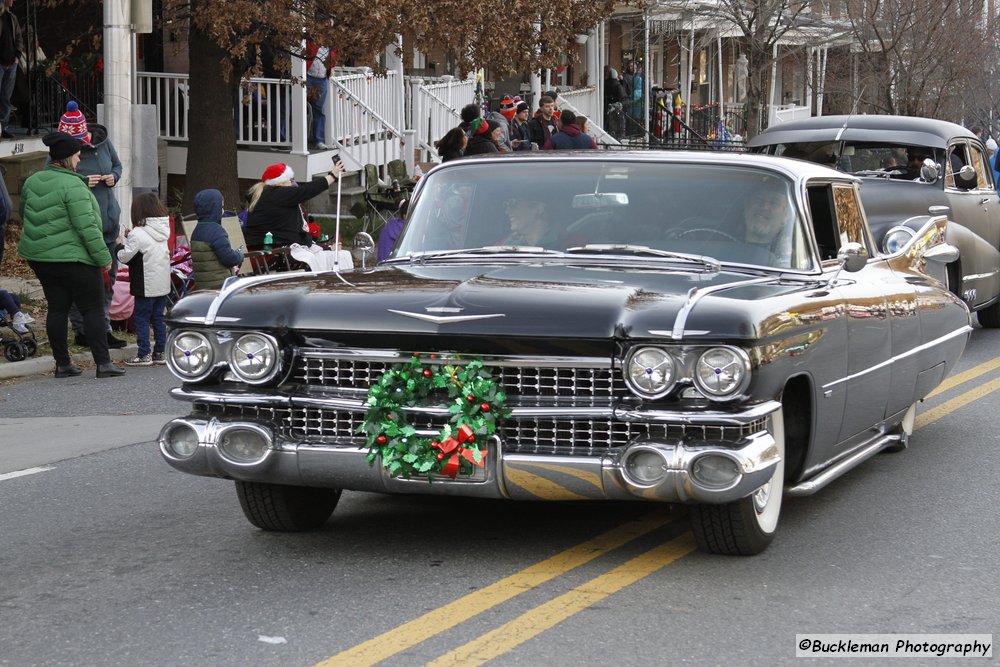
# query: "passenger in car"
767,224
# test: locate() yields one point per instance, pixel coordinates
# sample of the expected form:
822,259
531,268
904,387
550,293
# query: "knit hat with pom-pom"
73,122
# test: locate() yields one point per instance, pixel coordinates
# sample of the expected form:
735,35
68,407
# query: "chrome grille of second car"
571,378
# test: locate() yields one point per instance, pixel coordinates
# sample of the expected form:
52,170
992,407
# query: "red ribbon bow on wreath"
454,447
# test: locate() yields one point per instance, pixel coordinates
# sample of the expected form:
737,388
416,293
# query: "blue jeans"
8,74
149,309
322,86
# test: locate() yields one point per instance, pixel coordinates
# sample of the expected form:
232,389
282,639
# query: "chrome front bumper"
506,475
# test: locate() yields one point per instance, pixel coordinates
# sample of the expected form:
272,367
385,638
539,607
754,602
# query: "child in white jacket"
148,258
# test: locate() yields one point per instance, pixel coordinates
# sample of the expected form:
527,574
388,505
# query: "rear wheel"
747,526
287,509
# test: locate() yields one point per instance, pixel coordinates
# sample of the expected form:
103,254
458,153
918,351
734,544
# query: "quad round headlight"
896,238
254,357
650,372
180,440
244,444
722,373
190,355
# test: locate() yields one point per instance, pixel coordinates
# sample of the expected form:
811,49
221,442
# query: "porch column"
686,93
822,81
721,87
118,95
299,122
593,73
646,71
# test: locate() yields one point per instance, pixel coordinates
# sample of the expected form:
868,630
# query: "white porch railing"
358,130
434,109
585,102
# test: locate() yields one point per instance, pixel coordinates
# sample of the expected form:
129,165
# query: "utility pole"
118,68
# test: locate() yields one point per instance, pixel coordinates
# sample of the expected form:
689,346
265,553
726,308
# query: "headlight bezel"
276,362
738,388
642,392
897,232
172,344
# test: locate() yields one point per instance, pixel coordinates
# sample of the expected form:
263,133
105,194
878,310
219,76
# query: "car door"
978,210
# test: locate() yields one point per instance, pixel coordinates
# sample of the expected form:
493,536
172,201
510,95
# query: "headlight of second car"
254,357
896,238
190,355
722,373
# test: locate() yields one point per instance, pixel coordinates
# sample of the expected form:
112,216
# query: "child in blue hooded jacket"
212,254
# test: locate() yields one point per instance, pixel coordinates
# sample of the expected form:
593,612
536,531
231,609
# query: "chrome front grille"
525,435
569,379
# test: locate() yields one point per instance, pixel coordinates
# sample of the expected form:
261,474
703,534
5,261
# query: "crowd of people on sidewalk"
510,129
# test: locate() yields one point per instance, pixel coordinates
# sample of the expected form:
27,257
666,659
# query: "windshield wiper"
484,250
711,264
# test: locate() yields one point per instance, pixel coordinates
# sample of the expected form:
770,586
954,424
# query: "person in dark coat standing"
100,164
570,136
485,134
544,124
276,206
11,48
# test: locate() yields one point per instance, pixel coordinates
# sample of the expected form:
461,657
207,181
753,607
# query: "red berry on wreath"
485,407
427,373
434,356
381,440
470,398
472,438
440,456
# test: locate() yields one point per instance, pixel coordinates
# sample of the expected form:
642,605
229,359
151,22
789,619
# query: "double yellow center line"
548,615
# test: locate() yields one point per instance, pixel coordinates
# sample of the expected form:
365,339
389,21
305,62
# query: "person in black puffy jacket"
276,206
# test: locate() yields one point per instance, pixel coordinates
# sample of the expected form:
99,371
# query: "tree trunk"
214,85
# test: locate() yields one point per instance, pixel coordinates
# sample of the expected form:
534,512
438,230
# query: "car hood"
520,299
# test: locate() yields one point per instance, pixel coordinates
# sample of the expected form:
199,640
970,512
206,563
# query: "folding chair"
397,174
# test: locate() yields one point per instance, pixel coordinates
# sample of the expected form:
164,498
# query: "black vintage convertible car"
717,330
910,166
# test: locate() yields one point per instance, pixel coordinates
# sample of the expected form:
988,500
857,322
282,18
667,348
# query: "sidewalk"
47,364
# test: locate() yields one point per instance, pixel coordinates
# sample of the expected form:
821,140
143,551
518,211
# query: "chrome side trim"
702,417
695,295
980,276
234,285
898,357
811,486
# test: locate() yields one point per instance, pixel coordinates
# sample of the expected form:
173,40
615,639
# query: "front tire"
287,509
989,317
747,526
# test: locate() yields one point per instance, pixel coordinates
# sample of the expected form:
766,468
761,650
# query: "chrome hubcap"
760,497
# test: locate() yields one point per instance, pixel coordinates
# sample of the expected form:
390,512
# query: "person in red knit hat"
275,206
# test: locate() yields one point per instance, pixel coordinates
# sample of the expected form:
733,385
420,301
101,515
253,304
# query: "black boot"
109,370
68,371
115,343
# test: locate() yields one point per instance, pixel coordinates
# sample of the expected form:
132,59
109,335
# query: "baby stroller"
181,275
16,346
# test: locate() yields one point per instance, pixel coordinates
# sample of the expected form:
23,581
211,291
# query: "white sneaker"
320,146
20,328
21,317
140,361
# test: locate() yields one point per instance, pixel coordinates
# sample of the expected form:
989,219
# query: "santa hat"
277,174
508,107
73,122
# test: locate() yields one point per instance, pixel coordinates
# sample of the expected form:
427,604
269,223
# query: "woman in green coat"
63,243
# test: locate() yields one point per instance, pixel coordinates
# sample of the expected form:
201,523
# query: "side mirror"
966,177
852,257
929,171
364,245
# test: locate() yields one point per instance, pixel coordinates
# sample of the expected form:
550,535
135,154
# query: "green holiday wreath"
475,403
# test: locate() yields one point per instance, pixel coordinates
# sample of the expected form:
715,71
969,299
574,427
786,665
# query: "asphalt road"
109,557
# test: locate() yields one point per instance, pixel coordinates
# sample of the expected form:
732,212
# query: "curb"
47,364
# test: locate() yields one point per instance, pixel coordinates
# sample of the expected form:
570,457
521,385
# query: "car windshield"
868,158
732,214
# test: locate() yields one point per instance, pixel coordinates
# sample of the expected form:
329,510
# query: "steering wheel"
708,230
